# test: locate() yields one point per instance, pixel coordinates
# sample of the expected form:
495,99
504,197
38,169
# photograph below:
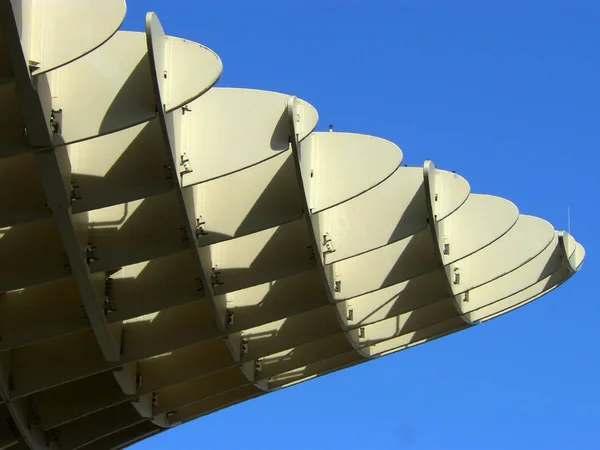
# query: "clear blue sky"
505,93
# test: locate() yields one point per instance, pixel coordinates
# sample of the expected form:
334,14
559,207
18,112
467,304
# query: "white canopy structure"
168,249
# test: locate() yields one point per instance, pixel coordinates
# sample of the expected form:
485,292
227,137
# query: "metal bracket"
200,227
215,280
327,244
185,163
55,118
90,253
33,418
75,195
109,305
337,286
51,436
184,235
243,346
456,279
199,284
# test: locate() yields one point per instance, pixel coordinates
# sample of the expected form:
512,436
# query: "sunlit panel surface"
168,249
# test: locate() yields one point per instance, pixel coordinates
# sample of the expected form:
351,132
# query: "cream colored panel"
314,370
135,231
417,337
66,403
337,167
302,355
119,167
197,389
183,364
275,300
227,130
64,360
384,267
121,72
397,299
288,333
409,322
257,258
525,296
186,69
162,331
574,250
448,190
152,286
92,428
540,267
569,266
40,312
525,240
60,360
27,243
480,221
26,202
52,36
256,198
122,95
35,129
391,211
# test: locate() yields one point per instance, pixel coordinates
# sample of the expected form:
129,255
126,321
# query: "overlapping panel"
169,249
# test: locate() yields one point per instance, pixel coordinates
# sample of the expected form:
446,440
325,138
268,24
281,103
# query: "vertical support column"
440,240
170,124
54,169
341,310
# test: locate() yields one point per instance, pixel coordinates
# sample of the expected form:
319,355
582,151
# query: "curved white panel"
389,212
307,118
384,267
448,190
186,69
260,257
417,337
259,197
540,267
232,129
53,35
398,299
287,255
339,166
408,322
525,240
574,251
521,298
122,95
477,223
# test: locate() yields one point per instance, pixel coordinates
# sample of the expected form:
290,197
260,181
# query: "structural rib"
178,248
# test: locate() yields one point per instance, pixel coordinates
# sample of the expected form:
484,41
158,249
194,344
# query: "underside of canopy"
169,249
